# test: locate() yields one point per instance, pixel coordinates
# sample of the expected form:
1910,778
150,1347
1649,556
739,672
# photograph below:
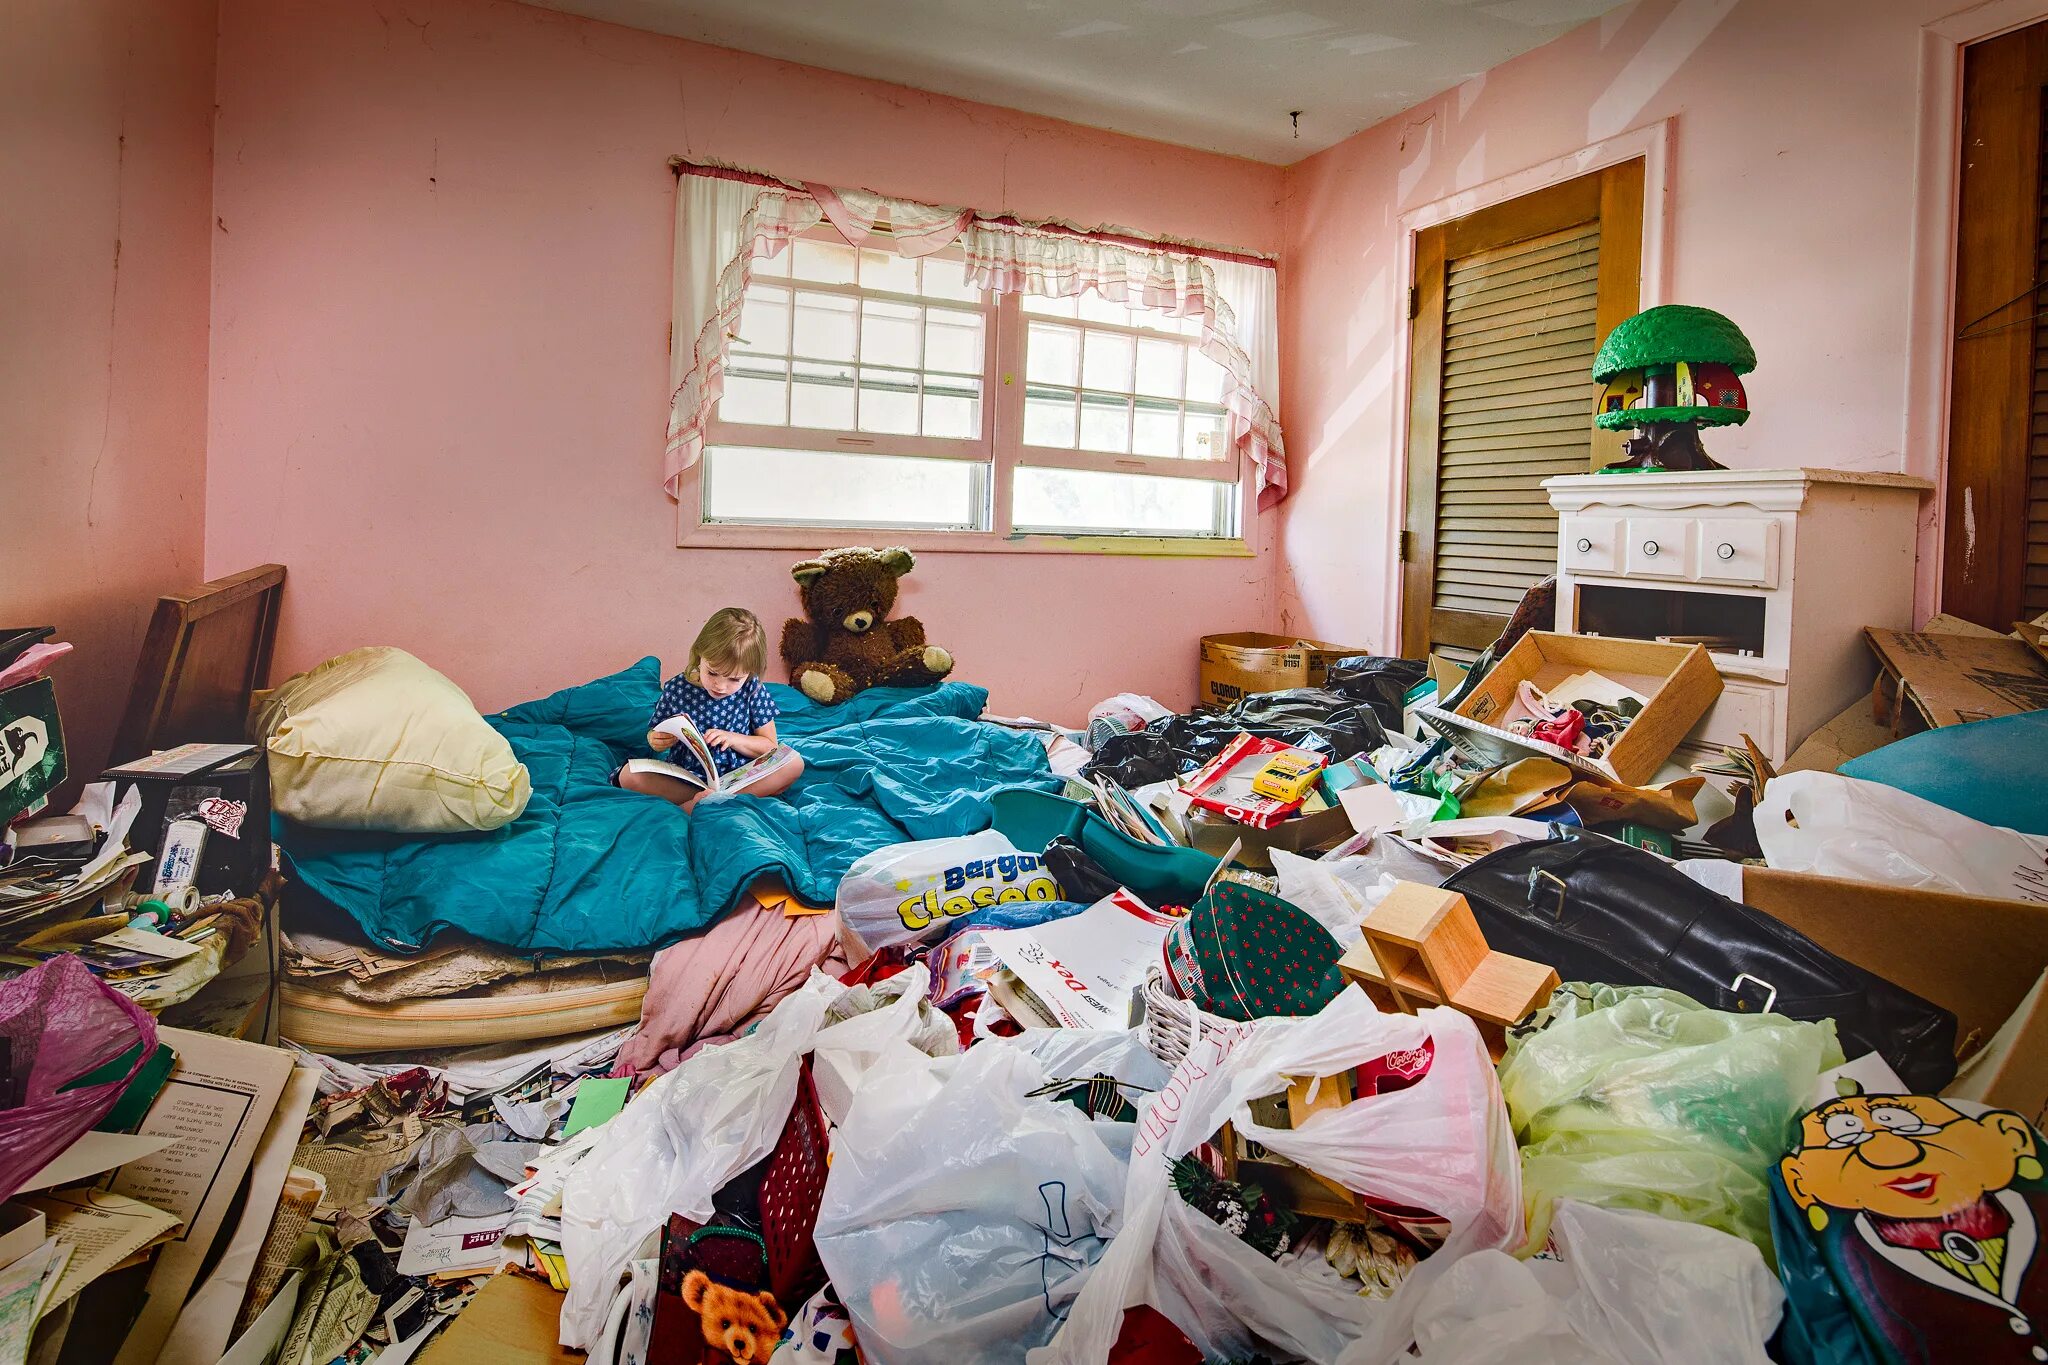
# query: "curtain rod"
681,167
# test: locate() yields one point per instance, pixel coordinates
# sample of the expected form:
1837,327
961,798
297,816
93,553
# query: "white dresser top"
1783,489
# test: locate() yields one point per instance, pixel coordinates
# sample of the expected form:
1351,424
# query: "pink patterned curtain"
724,219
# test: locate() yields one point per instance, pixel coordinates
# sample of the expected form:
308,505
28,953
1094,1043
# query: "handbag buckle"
1538,875
1770,992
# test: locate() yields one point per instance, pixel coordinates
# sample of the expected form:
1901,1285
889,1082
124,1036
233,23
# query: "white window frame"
1000,446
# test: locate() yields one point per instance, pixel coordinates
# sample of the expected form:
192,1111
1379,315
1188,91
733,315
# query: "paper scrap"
1373,808
147,941
598,1098
102,1230
21,1291
454,1246
93,1153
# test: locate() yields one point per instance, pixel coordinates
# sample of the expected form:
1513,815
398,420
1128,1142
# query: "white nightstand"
1777,570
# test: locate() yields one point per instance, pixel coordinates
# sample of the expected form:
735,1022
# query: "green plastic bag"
1640,1098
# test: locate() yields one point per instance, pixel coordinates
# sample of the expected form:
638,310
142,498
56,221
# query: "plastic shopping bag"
922,891
59,1024
867,1021
961,1212
1841,827
1622,1289
1442,1144
680,1140
1639,1098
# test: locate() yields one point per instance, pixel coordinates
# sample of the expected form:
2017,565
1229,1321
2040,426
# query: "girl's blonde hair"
732,638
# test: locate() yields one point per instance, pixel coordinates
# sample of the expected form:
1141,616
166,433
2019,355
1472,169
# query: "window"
867,390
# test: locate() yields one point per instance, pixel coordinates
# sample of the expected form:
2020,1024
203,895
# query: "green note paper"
597,1099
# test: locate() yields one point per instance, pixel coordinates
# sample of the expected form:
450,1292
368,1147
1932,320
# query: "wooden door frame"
1652,144
1610,196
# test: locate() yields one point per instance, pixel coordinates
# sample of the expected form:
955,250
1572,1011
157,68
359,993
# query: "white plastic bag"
895,1012
1844,827
676,1145
1124,713
1441,1144
959,1214
921,891
1626,1288
1339,903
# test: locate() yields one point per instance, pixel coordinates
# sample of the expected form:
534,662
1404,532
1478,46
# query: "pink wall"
107,107
440,312
1791,209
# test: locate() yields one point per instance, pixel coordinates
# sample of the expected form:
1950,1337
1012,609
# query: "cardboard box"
1973,955
1239,665
513,1320
1680,682
1212,834
1953,679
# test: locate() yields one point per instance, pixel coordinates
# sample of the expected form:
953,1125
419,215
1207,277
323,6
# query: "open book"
690,740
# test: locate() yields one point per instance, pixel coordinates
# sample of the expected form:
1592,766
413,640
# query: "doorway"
1509,305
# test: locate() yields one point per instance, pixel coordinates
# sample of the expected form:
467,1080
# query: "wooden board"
207,649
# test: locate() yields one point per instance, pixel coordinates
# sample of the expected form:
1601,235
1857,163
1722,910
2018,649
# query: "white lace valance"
725,219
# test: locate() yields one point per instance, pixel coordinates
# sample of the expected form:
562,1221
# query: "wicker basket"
1170,1022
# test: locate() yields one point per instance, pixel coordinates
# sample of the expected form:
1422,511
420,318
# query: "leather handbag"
1599,910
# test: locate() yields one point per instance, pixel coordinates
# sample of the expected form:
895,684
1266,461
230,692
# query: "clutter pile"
1402,1012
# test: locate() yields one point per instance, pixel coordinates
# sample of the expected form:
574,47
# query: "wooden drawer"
1738,550
1591,544
1659,547
1744,708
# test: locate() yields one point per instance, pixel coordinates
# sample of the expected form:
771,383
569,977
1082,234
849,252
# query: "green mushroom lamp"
1667,372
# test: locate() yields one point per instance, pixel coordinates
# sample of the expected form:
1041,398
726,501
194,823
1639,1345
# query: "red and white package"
1224,784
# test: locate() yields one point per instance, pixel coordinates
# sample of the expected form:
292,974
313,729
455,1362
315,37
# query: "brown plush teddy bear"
847,645
744,1326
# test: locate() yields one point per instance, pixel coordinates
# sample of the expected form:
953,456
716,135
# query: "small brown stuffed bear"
846,645
744,1326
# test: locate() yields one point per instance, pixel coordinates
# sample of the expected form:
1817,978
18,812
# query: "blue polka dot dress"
743,712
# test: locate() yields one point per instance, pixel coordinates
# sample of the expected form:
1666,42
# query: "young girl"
722,694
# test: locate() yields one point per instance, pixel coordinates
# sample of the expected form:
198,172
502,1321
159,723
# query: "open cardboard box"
1975,956
1213,834
1680,682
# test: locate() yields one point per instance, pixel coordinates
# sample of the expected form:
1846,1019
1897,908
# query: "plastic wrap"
1639,1098
59,1024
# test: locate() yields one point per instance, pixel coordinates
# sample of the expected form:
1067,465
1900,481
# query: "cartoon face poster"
1930,1218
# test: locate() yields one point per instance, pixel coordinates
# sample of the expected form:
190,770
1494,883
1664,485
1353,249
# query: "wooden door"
1509,306
1995,519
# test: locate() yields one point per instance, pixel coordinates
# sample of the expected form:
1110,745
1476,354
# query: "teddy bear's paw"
817,686
937,661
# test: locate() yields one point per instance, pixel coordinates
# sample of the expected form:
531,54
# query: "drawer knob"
1585,545
1650,548
1725,550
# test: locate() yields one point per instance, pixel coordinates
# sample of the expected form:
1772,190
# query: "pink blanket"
709,988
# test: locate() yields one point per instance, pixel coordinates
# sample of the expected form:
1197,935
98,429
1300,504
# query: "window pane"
945,277
1155,430
821,396
1095,308
1087,500
888,401
887,271
1202,436
1205,379
1106,423
755,391
1052,355
825,262
835,488
1159,367
1106,362
888,333
952,341
952,407
764,321
1049,417
1052,308
824,326
778,264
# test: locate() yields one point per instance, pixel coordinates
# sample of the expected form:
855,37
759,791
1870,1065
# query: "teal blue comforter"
591,867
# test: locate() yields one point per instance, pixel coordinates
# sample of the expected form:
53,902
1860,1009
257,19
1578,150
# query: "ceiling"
1216,74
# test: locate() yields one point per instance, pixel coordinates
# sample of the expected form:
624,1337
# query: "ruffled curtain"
723,222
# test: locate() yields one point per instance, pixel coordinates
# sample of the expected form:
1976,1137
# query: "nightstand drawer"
1743,708
1739,550
1659,547
1592,544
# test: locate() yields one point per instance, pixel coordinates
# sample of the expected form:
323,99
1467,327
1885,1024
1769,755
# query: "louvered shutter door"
1517,402
2034,582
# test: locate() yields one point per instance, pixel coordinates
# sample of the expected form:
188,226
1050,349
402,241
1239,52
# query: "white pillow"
375,739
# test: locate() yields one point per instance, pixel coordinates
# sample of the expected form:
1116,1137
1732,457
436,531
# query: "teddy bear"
847,644
745,1326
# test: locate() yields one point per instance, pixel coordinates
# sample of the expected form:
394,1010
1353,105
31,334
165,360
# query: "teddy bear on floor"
847,645
744,1326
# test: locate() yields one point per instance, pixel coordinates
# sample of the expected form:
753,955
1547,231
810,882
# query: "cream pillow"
375,739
